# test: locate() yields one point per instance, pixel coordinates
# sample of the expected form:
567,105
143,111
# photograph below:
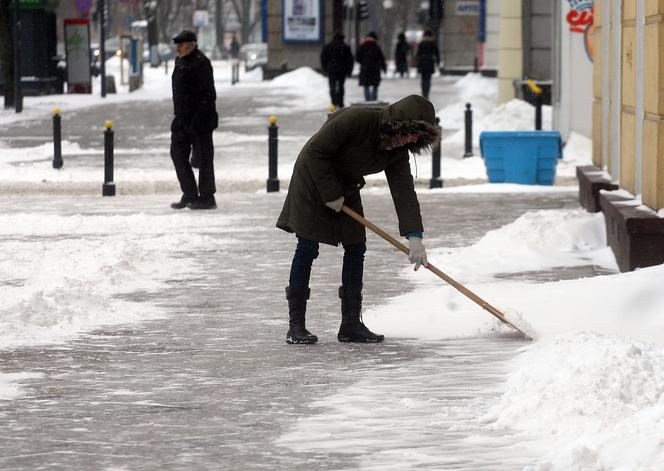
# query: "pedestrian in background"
235,60
336,60
329,172
194,104
372,61
401,52
428,58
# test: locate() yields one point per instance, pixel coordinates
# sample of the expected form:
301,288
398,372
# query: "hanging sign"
83,6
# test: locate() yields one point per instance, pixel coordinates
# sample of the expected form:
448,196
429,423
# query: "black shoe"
358,333
204,203
185,202
352,328
300,335
297,306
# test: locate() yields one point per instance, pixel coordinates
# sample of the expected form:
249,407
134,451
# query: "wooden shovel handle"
465,291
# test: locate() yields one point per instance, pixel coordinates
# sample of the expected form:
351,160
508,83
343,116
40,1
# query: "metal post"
538,112
18,90
108,189
273,149
436,181
469,132
57,139
331,108
102,45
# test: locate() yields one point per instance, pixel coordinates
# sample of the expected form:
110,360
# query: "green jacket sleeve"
321,150
402,188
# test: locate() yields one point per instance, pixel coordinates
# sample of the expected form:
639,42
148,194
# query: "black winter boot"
185,202
352,329
297,307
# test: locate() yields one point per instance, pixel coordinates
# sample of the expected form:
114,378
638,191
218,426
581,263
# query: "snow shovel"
465,291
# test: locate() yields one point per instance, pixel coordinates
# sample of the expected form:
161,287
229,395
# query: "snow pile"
63,274
590,393
9,384
481,92
301,89
598,399
515,115
575,237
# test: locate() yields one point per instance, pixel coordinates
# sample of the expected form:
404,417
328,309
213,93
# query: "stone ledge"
636,236
591,182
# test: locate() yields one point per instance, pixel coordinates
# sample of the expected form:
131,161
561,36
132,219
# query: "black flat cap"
184,37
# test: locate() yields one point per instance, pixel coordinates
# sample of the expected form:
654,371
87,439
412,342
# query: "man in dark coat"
336,60
372,61
428,58
401,52
196,117
328,173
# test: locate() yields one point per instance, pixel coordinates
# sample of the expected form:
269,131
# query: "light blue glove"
336,204
417,254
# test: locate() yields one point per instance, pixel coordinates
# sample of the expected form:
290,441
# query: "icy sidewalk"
206,380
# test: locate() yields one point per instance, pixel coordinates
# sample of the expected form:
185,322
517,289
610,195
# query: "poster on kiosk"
77,48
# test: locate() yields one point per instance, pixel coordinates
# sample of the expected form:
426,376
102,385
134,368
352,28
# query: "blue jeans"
371,92
307,251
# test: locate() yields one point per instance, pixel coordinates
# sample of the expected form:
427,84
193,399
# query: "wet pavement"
214,386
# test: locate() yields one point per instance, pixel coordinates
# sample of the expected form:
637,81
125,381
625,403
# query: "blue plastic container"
527,157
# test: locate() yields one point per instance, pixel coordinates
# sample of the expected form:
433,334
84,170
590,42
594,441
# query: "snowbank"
590,390
63,274
597,400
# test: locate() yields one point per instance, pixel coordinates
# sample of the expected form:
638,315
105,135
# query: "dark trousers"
183,141
235,72
337,90
371,92
307,251
426,85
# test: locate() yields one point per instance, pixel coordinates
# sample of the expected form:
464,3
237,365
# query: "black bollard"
330,110
108,189
469,132
57,139
538,112
273,154
436,181
537,91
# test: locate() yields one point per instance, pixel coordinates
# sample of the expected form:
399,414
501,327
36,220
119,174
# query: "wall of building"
628,109
284,56
573,73
510,53
491,47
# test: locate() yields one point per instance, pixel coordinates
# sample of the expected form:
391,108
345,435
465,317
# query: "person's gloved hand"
417,254
336,204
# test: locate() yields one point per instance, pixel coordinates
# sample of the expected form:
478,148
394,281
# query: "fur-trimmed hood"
411,115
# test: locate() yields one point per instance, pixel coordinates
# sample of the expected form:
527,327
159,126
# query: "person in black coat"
336,60
401,52
428,58
194,98
372,61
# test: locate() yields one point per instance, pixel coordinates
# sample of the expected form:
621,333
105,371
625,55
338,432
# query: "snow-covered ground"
305,90
588,392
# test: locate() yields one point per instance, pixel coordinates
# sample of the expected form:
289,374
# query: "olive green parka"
334,161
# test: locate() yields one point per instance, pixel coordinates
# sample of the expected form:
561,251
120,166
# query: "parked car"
112,48
254,55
